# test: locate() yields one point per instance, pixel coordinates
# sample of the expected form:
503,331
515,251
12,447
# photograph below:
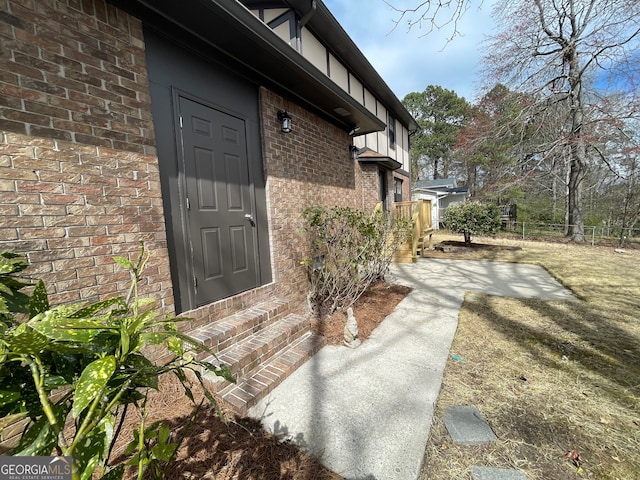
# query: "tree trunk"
578,148
554,202
577,169
567,177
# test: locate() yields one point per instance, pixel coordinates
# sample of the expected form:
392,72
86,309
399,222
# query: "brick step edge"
249,353
229,330
261,381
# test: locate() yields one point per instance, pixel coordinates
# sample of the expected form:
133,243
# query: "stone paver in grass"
467,426
491,473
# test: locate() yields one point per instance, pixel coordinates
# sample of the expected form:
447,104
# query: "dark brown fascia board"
386,162
331,33
258,53
368,156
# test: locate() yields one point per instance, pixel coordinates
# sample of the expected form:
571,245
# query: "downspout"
303,21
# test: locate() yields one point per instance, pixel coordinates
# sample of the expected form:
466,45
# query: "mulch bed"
371,308
452,246
239,449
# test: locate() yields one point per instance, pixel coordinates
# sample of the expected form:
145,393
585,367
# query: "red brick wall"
79,178
370,186
312,165
70,208
75,71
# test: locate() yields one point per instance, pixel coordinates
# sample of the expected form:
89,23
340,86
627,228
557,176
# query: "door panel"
212,256
217,199
239,251
205,176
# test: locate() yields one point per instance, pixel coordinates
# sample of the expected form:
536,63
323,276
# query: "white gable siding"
338,73
356,89
284,32
314,51
402,150
370,101
270,14
383,140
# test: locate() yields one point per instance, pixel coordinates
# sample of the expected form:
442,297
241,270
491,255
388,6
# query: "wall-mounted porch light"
285,121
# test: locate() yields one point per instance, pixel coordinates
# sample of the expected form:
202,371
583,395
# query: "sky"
409,61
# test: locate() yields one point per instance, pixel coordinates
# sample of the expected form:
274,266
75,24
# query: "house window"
397,190
392,131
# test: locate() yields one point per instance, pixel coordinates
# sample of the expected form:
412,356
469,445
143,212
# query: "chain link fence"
597,235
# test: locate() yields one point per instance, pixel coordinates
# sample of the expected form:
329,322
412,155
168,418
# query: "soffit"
325,26
369,156
256,52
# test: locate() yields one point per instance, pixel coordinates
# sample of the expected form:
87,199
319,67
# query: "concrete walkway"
366,412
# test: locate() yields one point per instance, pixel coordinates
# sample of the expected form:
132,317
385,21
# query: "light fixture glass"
285,120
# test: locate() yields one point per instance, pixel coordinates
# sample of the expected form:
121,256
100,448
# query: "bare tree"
431,15
623,182
569,55
490,145
573,52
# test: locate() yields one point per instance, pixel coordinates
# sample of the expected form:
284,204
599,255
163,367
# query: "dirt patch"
370,309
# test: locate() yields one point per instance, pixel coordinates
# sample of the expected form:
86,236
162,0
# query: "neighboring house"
442,193
161,121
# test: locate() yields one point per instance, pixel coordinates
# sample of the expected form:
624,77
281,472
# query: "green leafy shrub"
73,370
472,218
349,249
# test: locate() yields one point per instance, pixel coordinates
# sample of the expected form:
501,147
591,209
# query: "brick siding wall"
79,179
70,208
75,71
370,185
312,165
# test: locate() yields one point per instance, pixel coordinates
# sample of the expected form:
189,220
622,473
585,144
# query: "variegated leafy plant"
70,371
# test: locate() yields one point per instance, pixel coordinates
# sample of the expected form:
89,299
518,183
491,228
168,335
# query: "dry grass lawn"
559,382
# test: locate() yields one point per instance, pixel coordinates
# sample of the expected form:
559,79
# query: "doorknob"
249,217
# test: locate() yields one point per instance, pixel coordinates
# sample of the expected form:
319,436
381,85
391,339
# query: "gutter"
304,20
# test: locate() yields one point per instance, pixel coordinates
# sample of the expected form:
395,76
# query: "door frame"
176,64
187,252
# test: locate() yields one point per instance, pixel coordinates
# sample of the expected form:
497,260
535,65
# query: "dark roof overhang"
368,156
256,52
326,27
442,191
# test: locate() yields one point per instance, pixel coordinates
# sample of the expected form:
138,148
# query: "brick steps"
262,345
263,379
248,353
223,333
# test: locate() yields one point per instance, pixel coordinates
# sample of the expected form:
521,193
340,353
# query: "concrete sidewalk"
366,412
